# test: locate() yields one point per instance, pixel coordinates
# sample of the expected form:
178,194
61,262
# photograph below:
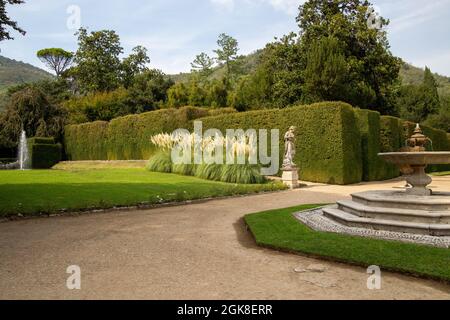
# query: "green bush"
328,142
209,172
44,152
184,169
160,162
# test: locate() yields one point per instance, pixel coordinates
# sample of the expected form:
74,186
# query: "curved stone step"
345,218
395,214
401,200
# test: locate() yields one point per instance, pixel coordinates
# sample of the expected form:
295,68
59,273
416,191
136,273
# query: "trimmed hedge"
328,142
44,152
127,138
335,143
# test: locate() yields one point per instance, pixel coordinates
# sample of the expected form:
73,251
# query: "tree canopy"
6,22
56,59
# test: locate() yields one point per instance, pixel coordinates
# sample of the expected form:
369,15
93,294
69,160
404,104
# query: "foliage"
31,110
227,51
278,229
366,50
203,64
44,152
328,142
127,138
56,59
160,162
177,96
97,61
59,191
134,64
100,106
6,22
327,76
418,102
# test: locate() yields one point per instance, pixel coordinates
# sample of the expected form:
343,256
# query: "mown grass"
51,191
279,229
441,174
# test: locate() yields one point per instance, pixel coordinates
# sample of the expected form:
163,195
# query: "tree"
227,52
418,102
135,64
56,59
431,85
148,91
327,76
98,67
178,95
6,22
280,72
203,64
31,110
366,49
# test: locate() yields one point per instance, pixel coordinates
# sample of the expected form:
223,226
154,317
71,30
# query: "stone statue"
289,155
290,172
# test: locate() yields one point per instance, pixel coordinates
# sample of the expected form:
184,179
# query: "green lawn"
51,191
279,229
441,174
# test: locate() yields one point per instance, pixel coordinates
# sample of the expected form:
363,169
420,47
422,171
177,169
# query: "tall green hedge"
328,142
44,152
369,126
335,143
127,138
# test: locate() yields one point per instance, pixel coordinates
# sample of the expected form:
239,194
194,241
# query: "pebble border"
316,220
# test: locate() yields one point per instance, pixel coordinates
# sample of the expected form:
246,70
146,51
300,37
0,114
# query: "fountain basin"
413,165
416,158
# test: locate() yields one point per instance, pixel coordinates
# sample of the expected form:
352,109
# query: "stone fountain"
418,210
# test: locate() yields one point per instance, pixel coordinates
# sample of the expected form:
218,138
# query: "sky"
175,31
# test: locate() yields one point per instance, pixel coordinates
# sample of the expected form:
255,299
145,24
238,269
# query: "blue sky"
175,31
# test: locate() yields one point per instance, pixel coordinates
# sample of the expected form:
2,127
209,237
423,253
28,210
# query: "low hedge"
328,142
44,152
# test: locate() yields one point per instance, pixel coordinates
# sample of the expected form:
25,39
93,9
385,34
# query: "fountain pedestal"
419,181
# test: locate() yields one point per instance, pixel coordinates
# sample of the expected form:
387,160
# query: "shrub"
44,152
160,162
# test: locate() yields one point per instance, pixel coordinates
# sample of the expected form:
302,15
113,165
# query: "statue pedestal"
290,178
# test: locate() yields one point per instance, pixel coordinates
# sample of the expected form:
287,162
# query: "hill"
14,72
408,73
413,75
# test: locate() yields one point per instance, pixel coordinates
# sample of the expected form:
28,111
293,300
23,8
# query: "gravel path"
199,251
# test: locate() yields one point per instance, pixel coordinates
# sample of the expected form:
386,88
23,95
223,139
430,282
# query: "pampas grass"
230,173
242,174
160,162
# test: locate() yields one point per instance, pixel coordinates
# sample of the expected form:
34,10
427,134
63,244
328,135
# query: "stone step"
396,214
400,200
350,220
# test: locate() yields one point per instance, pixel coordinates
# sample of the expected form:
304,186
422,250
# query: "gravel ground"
198,251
